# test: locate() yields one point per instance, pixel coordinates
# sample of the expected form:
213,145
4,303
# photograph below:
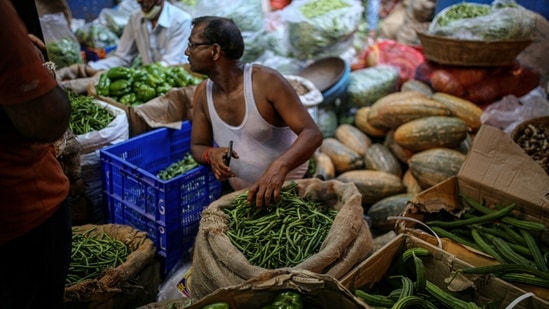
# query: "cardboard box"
497,171
167,111
318,290
136,124
438,269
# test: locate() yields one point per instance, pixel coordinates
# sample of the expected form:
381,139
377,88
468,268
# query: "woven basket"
531,135
451,51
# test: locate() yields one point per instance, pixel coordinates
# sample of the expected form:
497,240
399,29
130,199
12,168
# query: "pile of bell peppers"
135,86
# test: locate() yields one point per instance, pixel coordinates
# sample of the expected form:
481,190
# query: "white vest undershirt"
257,142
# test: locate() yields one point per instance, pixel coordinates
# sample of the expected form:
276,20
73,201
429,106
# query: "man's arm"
288,110
201,133
202,138
36,106
44,119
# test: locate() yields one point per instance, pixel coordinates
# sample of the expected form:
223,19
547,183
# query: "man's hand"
216,156
267,189
37,42
75,71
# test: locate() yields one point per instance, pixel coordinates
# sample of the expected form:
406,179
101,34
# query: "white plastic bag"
62,45
176,284
247,14
115,132
314,25
510,111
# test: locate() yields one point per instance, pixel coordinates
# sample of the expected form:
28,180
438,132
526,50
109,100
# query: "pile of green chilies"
91,255
87,115
283,235
178,168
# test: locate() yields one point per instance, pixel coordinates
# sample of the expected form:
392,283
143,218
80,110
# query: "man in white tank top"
252,105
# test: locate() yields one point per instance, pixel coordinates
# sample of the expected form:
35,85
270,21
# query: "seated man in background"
157,33
252,105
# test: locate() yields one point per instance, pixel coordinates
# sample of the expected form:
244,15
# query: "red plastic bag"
479,85
405,57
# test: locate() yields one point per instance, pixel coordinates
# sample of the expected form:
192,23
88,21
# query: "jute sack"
126,280
318,291
218,264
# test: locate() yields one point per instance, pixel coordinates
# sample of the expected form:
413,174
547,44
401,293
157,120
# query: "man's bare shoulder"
266,73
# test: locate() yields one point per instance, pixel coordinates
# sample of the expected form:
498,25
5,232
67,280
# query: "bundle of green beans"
178,168
91,255
87,115
283,235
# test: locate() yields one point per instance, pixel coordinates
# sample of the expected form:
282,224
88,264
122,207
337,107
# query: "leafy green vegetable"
320,7
461,11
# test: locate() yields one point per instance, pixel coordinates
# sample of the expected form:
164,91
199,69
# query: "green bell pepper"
145,93
157,70
102,87
120,73
153,80
217,305
286,300
128,98
140,76
120,87
163,88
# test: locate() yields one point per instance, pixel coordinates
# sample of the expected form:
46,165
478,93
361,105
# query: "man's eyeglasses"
192,45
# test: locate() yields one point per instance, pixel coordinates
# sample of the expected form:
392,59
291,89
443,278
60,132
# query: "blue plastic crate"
89,9
169,211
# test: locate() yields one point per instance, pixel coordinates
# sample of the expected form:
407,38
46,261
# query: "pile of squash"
400,145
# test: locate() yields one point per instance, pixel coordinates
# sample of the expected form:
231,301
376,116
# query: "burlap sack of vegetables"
129,281
316,226
285,289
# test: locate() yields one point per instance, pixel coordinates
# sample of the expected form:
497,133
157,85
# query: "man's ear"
216,51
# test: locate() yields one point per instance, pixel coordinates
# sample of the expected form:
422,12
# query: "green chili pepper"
217,305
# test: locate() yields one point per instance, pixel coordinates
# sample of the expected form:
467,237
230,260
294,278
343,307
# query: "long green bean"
87,115
92,255
283,235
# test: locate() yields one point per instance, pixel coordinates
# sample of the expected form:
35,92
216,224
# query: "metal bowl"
325,72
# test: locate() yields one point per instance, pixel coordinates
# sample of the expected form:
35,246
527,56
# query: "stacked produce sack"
95,125
401,144
112,266
284,289
316,226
